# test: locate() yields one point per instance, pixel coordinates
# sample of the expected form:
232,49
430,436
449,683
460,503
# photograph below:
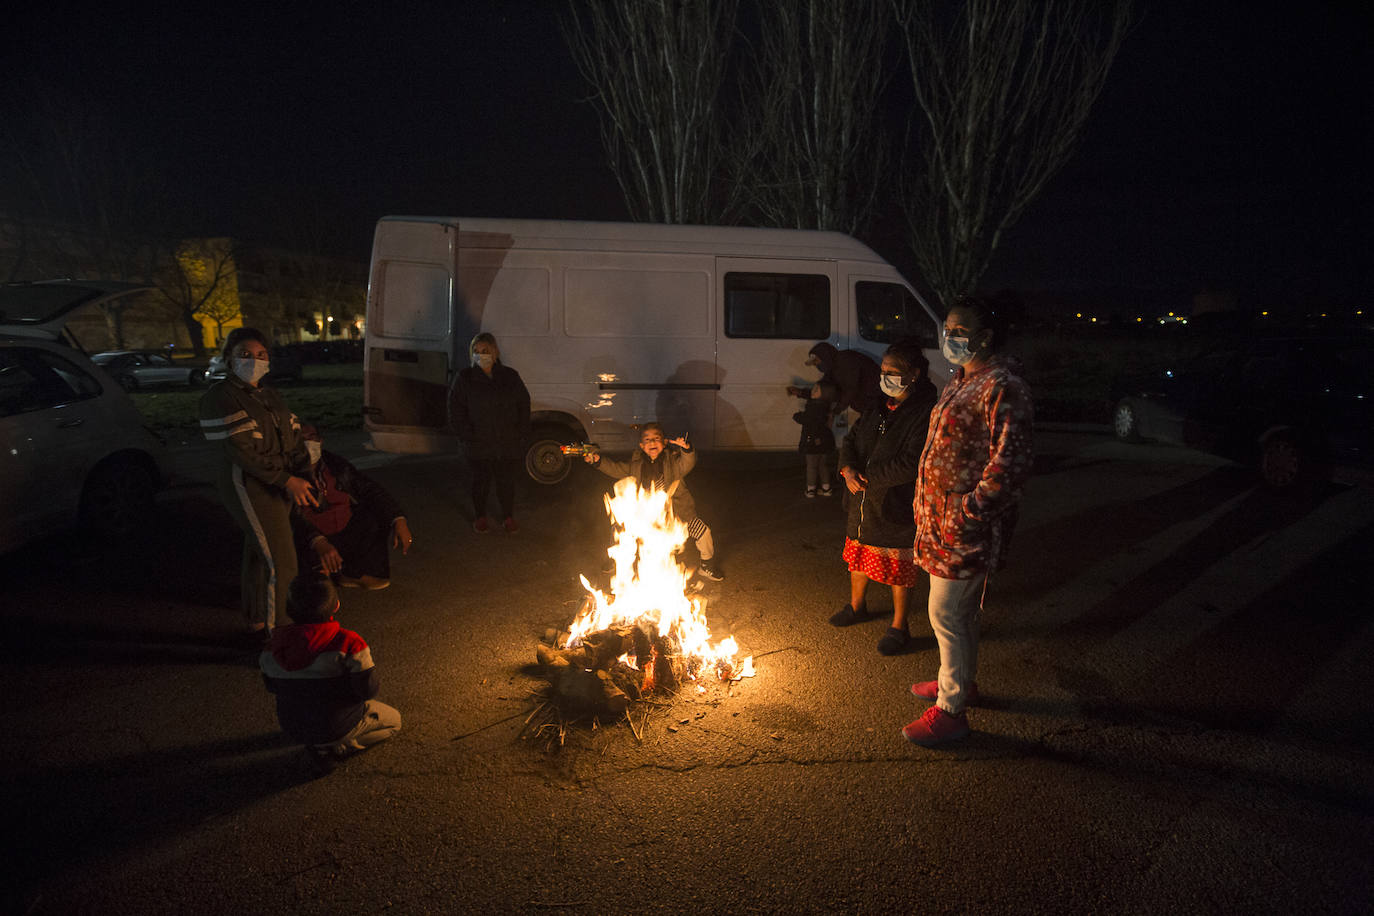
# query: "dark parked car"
1298,407
135,369
328,351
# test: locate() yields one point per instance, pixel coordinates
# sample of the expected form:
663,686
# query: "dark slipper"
893,641
847,616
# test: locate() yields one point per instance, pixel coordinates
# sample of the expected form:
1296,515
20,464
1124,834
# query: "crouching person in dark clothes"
347,533
324,679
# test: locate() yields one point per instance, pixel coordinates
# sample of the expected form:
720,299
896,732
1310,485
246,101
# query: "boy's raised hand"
680,441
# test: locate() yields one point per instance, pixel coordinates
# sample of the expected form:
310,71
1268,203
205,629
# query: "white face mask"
892,385
251,370
483,360
957,350
314,450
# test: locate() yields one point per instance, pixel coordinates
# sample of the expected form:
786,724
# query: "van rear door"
770,313
410,339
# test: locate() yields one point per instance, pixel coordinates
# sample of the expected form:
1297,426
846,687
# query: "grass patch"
328,396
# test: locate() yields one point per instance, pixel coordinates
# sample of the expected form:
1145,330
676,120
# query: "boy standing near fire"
654,464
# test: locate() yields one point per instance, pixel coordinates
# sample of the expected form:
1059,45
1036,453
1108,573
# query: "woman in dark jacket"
262,474
489,407
879,461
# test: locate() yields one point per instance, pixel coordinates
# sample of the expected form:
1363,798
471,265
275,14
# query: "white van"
614,324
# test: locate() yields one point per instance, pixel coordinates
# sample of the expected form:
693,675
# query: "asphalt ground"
1176,718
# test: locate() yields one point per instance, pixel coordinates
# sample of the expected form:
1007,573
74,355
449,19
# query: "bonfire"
647,631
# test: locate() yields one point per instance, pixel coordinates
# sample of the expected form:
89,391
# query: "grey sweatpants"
263,513
820,469
378,723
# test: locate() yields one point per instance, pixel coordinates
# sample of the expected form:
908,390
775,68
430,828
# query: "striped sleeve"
233,422
237,423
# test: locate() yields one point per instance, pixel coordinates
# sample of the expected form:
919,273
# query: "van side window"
413,301
887,311
793,306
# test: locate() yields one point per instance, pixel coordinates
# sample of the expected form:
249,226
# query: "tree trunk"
197,334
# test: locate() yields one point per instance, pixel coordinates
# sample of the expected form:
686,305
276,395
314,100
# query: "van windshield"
887,311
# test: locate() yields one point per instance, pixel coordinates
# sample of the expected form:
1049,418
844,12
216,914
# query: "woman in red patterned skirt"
879,461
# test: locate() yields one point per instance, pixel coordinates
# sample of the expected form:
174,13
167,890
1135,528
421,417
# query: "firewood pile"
610,672
591,679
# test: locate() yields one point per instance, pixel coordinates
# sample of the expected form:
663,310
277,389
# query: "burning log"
648,632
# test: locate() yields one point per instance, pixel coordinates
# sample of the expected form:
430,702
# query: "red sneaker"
936,727
930,690
511,525
481,526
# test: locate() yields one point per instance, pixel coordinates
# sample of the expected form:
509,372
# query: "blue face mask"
892,385
957,350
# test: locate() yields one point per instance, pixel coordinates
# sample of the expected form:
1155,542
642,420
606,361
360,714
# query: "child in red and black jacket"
324,679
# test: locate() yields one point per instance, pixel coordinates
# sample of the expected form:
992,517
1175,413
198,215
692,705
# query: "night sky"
1231,148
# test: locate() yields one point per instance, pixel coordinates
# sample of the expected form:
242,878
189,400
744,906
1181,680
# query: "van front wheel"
545,461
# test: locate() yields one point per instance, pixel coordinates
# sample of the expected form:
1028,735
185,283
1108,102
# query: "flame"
649,587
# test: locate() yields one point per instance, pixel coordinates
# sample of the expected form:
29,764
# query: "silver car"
135,369
73,448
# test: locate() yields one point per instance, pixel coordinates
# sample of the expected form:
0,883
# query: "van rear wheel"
544,460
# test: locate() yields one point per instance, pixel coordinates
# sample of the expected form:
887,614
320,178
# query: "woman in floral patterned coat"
976,460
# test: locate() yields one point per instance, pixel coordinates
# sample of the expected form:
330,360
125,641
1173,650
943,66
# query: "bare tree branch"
200,281
656,67
1004,88
810,153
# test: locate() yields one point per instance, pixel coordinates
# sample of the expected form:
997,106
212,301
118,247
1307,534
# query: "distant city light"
1139,319
1078,314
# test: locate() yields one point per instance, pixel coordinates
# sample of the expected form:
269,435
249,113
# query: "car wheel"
1284,463
544,460
128,382
1126,422
117,499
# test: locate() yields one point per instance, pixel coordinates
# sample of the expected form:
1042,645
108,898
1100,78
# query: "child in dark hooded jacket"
324,679
817,443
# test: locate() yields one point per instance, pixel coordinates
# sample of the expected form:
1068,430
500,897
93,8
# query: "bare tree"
656,68
810,145
1005,87
87,203
201,282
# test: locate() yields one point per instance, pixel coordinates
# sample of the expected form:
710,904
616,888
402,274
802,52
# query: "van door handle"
70,424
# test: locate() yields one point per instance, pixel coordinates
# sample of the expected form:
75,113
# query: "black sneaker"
708,571
320,762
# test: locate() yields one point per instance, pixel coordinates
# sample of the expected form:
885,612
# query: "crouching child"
654,464
324,679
